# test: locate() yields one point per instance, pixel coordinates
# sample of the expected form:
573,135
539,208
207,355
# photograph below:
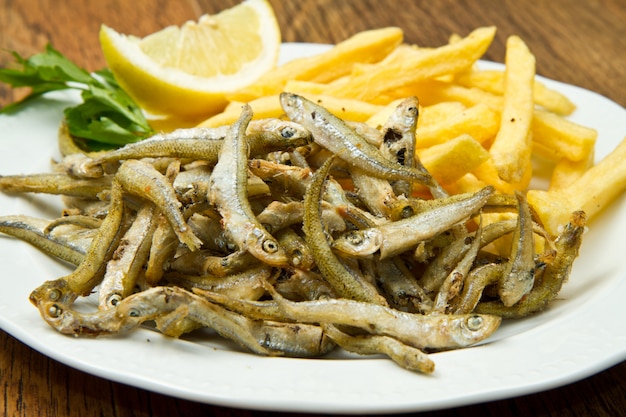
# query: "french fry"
552,100
475,128
433,63
451,160
347,109
555,137
493,82
435,91
566,172
402,53
592,192
269,106
479,120
488,173
468,183
439,113
379,119
367,46
428,116
305,87
511,149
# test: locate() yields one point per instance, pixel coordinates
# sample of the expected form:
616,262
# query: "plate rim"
39,343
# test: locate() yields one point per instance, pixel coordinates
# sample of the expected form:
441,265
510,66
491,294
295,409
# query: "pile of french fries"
476,127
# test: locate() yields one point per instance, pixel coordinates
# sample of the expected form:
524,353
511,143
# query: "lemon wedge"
186,71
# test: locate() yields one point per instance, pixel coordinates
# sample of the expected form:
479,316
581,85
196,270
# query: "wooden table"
581,43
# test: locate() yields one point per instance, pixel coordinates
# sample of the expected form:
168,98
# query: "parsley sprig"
107,116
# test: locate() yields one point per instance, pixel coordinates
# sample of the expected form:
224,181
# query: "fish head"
263,246
69,321
82,166
156,303
56,291
407,113
516,287
60,317
286,134
359,242
293,105
472,328
294,135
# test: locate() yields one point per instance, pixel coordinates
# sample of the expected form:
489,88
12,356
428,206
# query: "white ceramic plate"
583,332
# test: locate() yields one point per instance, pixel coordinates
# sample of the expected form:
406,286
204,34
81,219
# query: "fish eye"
288,132
474,323
400,156
133,312
354,238
267,226
296,257
114,299
54,294
55,311
270,246
407,211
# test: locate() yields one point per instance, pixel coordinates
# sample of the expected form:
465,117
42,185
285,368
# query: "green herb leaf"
107,115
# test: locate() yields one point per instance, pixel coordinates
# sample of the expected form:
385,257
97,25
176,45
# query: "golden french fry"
347,109
451,160
436,91
454,37
511,149
269,106
321,89
379,119
592,192
305,87
439,113
566,172
476,127
479,121
488,173
555,137
366,46
468,183
263,107
493,82
552,100
403,52
430,64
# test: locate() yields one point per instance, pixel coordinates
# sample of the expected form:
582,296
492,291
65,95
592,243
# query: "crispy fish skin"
333,134
422,331
399,236
406,356
346,283
197,143
54,183
519,277
228,192
262,337
123,270
33,230
143,180
89,272
553,277
289,237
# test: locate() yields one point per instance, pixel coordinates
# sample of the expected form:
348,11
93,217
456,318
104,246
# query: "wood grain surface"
577,42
